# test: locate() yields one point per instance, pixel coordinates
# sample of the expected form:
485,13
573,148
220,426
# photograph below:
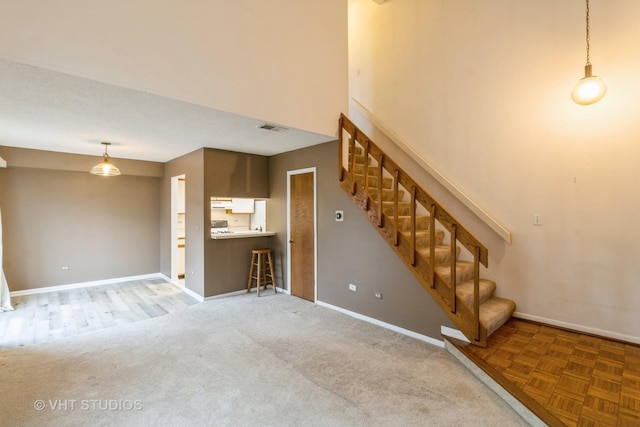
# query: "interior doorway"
178,222
301,233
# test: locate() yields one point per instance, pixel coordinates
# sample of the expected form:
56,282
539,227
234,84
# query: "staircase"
440,252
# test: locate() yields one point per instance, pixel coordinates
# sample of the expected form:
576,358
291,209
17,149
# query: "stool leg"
259,274
251,269
273,277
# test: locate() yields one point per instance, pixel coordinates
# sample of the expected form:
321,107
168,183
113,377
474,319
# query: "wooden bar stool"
261,270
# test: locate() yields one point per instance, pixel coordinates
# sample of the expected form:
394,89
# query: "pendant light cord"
588,38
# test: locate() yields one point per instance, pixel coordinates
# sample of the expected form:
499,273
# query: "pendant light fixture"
589,89
105,168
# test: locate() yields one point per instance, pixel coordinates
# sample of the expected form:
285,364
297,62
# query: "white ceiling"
161,80
47,110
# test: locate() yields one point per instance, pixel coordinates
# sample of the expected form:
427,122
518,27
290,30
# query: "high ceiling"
159,82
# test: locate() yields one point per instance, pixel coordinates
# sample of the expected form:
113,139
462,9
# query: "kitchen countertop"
242,234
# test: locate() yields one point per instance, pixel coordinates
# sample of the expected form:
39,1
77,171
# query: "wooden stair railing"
415,226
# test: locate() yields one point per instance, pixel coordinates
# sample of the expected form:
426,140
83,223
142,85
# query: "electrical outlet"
352,287
378,295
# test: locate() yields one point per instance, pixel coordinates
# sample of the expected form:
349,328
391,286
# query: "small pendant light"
589,89
105,168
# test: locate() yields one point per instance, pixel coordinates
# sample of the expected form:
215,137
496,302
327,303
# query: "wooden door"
302,238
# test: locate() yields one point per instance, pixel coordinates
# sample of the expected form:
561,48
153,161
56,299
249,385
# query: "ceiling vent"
273,128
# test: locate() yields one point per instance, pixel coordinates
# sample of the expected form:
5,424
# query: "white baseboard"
385,325
87,284
192,294
244,291
578,328
453,333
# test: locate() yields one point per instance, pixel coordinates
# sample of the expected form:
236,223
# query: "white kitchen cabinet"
242,206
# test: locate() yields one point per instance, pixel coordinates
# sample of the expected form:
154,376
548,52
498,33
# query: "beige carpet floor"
244,361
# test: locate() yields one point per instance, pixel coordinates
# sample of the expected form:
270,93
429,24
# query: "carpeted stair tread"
387,183
423,236
464,272
404,223
495,313
404,208
464,291
443,253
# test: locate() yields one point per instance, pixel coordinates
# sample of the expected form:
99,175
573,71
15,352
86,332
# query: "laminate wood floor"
48,316
566,378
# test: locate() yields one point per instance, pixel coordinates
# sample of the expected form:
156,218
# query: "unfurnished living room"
336,213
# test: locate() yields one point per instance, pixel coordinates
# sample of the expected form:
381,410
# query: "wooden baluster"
340,147
396,177
453,243
476,293
432,245
380,165
365,165
413,226
352,160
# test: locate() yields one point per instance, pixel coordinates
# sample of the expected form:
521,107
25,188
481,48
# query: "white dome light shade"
589,89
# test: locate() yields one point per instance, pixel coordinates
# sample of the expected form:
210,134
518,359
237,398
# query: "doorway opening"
302,247
178,221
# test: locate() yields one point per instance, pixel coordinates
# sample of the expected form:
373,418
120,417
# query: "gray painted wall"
100,228
192,166
351,251
208,173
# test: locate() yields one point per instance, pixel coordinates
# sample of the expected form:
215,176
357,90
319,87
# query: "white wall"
481,91
261,59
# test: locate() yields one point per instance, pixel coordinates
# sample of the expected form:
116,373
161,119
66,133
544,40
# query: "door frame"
175,202
315,228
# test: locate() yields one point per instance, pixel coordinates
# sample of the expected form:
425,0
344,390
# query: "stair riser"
464,272
404,209
371,170
404,223
443,254
464,291
387,195
423,239
373,182
360,160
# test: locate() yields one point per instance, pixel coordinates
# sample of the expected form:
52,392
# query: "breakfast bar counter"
241,234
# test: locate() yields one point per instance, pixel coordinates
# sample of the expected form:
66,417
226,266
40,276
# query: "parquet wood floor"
48,316
566,378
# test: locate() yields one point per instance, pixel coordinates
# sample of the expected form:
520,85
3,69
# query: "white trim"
234,293
382,324
446,182
87,284
192,294
579,328
175,203
315,228
453,333
3,163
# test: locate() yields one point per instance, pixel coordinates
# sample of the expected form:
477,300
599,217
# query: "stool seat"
261,270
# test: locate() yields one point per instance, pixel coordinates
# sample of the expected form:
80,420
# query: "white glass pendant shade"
589,89
105,168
